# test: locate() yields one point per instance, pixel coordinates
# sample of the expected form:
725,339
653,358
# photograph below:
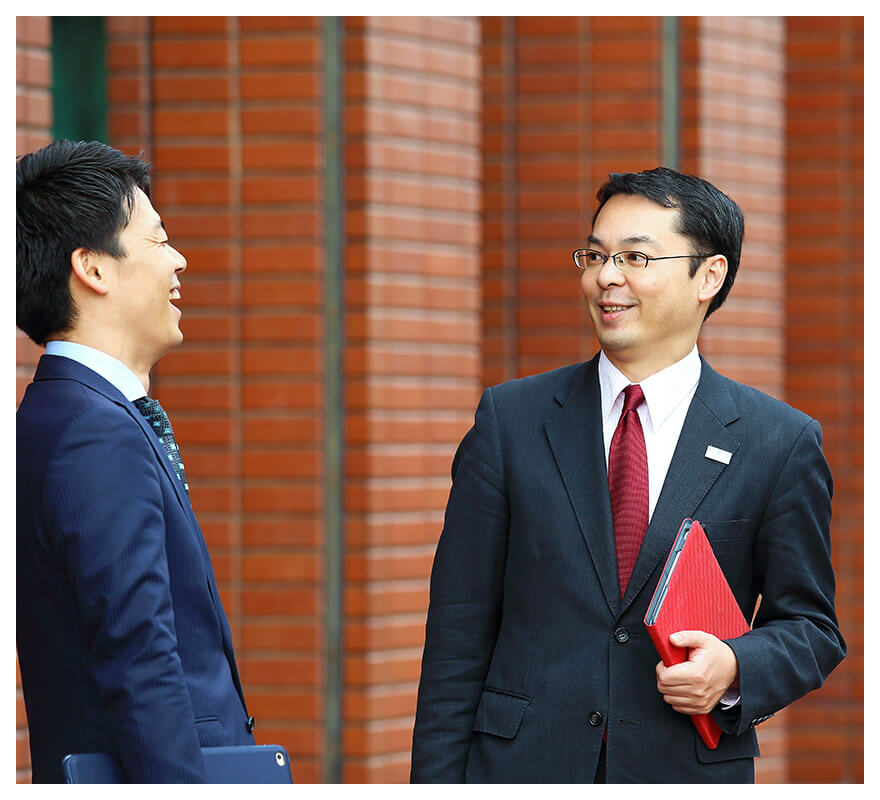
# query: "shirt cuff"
730,698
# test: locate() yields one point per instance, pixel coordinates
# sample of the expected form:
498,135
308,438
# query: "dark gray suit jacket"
531,653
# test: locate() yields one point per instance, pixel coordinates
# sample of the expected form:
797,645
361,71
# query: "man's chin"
614,341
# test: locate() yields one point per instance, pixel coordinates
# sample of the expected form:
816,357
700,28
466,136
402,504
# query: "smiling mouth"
608,308
175,294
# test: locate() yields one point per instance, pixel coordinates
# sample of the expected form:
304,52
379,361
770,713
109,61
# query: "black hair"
67,195
708,217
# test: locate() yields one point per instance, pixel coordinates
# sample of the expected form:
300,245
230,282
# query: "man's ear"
713,277
90,270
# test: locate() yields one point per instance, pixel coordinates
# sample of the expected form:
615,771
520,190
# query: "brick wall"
228,111
412,357
566,100
473,149
33,121
824,350
733,134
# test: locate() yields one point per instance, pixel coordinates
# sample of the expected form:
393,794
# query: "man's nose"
181,261
610,274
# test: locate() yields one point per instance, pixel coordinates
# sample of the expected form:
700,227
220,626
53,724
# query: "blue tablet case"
263,763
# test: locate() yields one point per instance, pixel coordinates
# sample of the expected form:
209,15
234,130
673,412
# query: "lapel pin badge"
717,454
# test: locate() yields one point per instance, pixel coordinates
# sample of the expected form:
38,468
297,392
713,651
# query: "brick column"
733,134
824,351
227,110
33,120
566,100
412,359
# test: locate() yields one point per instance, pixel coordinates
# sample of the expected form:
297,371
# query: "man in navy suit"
123,642
567,494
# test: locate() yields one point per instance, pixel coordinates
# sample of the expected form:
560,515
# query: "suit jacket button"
249,725
622,635
595,718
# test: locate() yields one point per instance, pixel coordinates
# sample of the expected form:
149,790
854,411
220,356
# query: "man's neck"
117,351
636,370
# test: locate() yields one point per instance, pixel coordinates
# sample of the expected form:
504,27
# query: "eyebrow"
636,238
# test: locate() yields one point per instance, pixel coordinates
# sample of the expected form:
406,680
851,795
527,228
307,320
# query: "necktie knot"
633,397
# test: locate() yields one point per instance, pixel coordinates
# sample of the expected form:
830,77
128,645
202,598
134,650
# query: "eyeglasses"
627,260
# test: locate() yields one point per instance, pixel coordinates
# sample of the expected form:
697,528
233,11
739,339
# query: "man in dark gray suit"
567,494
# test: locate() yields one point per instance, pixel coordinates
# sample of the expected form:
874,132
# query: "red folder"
693,595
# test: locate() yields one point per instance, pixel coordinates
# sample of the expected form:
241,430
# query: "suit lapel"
58,367
574,429
55,367
690,475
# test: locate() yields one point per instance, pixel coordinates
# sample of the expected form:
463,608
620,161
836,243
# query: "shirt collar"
109,368
664,390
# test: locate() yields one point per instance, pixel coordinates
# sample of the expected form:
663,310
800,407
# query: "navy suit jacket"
123,643
530,651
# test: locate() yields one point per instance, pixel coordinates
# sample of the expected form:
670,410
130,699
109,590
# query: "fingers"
691,638
684,674
687,705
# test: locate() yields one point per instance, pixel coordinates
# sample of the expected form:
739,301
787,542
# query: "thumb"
693,639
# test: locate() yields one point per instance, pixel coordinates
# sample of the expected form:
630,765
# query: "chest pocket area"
731,541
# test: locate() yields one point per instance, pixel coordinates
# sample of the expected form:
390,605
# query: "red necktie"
628,484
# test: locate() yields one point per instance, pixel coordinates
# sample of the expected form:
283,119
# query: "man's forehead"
635,218
143,215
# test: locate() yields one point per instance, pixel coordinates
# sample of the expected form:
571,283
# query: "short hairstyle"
67,195
707,216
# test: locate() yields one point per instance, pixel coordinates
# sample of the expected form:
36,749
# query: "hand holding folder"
693,595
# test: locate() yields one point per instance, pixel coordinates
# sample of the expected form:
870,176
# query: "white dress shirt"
668,394
110,369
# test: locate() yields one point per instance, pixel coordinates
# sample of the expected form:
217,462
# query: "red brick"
201,122
192,25
190,53
286,189
274,52
201,88
292,155
282,498
276,463
278,567
289,258
270,428
267,85
280,671
192,158
274,24
260,327
282,292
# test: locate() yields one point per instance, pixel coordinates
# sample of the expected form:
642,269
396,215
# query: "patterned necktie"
155,415
628,484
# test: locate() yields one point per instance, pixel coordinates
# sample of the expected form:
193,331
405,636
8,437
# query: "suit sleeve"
795,642
106,512
465,604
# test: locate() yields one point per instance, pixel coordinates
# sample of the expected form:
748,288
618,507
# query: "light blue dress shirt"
109,368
